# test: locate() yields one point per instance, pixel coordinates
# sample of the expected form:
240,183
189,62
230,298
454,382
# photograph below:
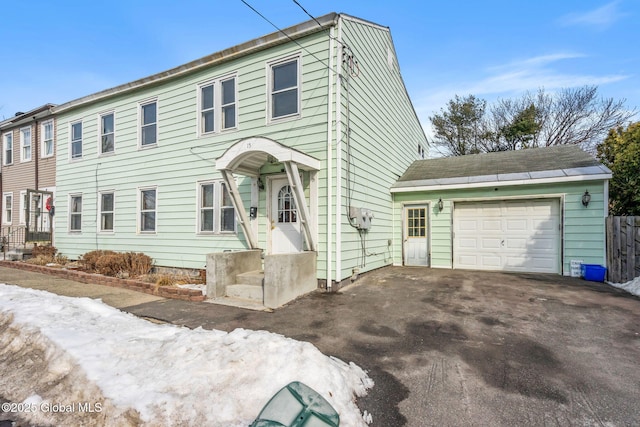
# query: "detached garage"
532,210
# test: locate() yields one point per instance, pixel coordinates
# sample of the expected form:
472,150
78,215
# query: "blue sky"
56,51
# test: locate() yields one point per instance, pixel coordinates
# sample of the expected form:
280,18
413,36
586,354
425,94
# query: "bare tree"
569,116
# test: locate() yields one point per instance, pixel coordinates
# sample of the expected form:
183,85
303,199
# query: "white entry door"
285,221
415,236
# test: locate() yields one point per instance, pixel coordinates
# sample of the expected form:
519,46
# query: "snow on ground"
633,286
65,349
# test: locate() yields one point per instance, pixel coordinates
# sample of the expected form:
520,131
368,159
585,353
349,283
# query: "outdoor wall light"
586,198
260,184
440,204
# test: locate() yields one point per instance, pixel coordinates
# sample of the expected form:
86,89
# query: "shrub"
61,259
45,251
110,264
117,264
90,260
164,280
139,264
39,260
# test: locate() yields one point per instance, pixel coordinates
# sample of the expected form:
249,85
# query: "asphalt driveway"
462,348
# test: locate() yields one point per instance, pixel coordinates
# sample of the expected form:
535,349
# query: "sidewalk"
115,297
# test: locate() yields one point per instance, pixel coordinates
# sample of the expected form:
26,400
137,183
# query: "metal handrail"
12,237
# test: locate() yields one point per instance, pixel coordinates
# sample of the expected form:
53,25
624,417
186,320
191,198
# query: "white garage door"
514,235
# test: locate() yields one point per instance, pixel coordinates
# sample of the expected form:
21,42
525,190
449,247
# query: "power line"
305,11
287,35
349,57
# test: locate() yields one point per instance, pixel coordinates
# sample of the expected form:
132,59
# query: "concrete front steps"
250,287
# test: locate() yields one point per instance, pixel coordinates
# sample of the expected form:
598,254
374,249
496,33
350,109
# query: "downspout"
338,212
332,79
34,146
606,214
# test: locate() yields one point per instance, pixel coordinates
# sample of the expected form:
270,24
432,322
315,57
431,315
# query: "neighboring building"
286,143
28,176
531,210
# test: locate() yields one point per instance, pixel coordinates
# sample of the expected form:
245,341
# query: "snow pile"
167,374
633,286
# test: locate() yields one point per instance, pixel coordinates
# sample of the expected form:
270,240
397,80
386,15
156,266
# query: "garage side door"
514,235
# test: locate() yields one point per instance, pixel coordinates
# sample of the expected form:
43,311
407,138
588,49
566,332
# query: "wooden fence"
623,248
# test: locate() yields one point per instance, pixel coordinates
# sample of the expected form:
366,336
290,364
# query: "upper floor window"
76,140
25,143
8,148
217,105
148,124
107,133
284,88
147,210
47,139
75,212
216,212
7,216
106,211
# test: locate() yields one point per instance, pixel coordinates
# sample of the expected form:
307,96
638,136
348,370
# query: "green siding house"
532,210
287,143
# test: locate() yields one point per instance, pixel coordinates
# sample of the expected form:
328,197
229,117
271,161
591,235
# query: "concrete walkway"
115,297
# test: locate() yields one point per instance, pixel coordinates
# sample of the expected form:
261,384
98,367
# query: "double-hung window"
107,211
215,212
76,140
7,216
107,133
284,88
147,206
8,148
148,124
75,212
217,104
25,143
47,139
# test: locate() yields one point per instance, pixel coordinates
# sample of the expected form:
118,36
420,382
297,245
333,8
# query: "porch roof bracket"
241,213
301,202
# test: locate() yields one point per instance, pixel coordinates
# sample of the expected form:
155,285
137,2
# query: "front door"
415,236
284,219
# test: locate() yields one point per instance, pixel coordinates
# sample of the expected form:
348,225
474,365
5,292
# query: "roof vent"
19,113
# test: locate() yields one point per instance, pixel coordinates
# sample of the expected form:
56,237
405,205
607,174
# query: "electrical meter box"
361,217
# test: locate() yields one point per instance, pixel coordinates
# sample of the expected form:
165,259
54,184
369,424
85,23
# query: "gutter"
466,185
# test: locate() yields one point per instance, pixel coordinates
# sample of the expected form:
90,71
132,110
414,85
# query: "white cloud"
512,79
600,18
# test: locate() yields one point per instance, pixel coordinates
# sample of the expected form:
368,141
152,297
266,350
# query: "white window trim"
217,209
71,158
99,219
139,211
218,118
100,116
23,159
71,196
22,220
4,148
140,118
280,61
4,208
43,151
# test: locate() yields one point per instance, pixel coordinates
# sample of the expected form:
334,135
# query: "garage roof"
530,166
